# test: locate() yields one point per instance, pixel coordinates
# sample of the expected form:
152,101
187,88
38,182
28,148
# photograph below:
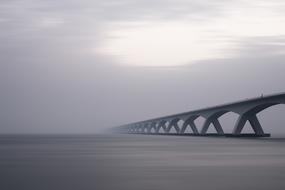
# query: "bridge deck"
244,101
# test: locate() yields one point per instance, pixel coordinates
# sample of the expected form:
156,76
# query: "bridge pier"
161,124
253,120
145,128
189,121
140,129
148,129
215,122
152,125
173,123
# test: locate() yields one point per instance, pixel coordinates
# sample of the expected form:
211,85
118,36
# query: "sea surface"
140,162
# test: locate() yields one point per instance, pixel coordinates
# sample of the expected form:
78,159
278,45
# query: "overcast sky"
80,66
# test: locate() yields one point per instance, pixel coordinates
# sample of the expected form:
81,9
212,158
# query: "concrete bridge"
246,109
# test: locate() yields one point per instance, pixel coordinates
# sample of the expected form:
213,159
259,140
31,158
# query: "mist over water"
140,162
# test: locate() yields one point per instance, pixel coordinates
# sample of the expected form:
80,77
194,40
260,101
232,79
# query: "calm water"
140,162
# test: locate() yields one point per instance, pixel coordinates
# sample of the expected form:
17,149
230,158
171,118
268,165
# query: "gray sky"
83,66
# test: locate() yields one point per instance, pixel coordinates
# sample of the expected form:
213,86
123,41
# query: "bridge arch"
139,128
213,119
251,116
273,119
152,127
173,125
190,122
146,128
161,125
228,120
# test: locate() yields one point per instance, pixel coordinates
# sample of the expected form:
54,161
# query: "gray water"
137,162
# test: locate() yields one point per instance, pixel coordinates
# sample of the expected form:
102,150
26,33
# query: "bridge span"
246,109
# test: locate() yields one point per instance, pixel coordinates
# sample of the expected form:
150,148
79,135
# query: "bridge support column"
130,130
141,129
253,120
138,129
152,125
216,124
174,124
148,128
162,125
192,125
135,129
145,128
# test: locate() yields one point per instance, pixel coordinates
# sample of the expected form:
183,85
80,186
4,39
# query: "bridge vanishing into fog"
246,109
